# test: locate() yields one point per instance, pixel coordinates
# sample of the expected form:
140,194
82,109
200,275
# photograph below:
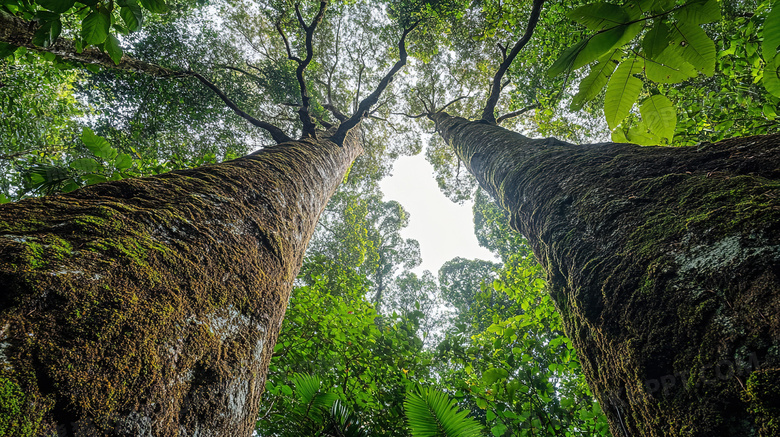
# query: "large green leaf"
699,12
622,91
86,165
668,67
58,6
594,82
492,375
769,50
431,413
112,48
771,34
94,27
156,6
656,40
660,116
599,16
98,145
694,46
48,33
772,76
123,161
132,16
594,47
641,134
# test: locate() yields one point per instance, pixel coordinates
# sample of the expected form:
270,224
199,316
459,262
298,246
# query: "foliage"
641,51
431,413
521,371
335,336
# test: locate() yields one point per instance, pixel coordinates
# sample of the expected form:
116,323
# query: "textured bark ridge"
152,306
664,263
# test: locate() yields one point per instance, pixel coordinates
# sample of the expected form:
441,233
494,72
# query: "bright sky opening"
444,229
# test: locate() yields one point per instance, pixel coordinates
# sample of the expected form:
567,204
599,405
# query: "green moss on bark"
152,305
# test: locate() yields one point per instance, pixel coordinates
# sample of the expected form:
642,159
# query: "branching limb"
368,102
14,30
277,134
451,102
240,70
490,106
516,113
309,128
335,111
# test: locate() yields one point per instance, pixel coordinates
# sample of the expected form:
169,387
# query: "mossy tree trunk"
152,306
664,263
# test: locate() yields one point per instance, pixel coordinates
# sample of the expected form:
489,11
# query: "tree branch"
19,32
309,128
14,30
277,134
490,106
516,113
368,102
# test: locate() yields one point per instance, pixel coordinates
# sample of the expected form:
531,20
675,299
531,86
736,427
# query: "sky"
444,229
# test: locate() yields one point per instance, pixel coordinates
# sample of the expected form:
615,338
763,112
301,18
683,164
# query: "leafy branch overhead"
100,22
634,50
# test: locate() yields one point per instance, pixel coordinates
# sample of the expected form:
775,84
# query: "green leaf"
622,91
566,60
594,47
668,67
58,6
431,412
772,77
656,40
132,16
769,112
694,46
48,33
599,16
112,47
123,161
98,145
70,185
699,12
156,6
86,165
498,430
640,134
7,50
493,375
593,83
660,116
94,28
771,34
286,390
94,178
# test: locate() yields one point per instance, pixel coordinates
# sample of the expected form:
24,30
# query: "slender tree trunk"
664,263
152,306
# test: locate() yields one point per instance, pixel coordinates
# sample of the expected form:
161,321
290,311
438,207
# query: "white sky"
443,228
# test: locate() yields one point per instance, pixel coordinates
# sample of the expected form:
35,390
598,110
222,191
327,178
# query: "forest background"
361,331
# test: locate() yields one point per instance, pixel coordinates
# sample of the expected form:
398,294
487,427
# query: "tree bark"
664,264
152,306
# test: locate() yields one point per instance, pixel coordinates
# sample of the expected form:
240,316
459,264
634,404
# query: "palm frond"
431,413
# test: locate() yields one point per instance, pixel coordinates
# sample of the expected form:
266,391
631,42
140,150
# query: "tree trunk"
152,306
664,263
